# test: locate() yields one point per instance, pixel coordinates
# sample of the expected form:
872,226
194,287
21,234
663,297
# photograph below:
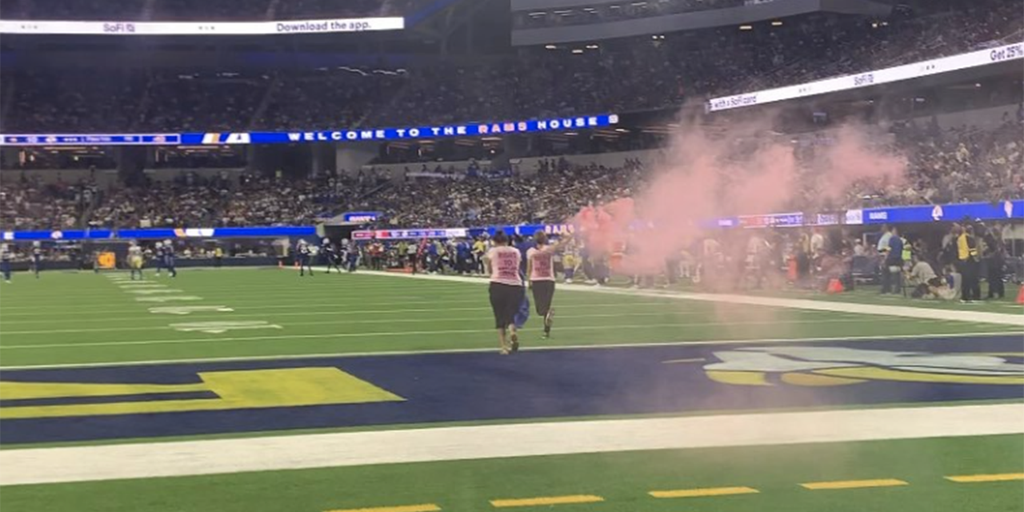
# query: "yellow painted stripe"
1003,477
548,500
696,493
853,484
425,507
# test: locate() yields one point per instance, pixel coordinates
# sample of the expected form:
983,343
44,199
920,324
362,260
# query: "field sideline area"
258,390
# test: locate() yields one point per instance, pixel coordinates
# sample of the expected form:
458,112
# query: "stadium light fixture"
777,23
578,51
746,27
551,47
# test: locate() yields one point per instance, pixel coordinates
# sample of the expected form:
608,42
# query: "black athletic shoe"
549,320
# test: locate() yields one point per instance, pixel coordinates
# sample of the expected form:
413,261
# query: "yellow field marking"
853,484
547,500
425,507
969,479
243,389
813,380
872,373
710,491
741,378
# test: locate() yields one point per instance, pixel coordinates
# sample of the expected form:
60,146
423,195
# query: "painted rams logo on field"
837,366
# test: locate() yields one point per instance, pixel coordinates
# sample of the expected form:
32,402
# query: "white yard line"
443,320
332,309
817,305
477,350
186,458
387,334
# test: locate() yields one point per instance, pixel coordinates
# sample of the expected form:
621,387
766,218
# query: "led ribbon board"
198,28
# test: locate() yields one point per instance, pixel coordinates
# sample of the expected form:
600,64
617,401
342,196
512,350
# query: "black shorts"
505,301
543,292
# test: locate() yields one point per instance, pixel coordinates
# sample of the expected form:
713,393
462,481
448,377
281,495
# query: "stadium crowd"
252,201
953,165
650,74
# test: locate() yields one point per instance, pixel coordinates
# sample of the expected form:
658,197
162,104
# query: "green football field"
95,362
72,318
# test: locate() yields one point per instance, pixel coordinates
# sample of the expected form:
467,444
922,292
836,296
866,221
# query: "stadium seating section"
618,78
952,164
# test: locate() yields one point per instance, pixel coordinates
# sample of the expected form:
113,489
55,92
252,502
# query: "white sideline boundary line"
749,300
189,458
335,355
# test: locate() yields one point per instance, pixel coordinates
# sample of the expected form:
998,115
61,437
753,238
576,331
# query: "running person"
135,260
330,255
506,290
541,270
158,255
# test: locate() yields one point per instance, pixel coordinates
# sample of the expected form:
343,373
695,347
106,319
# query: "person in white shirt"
883,241
926,283
858,248
506,290
817,244
135,259
541,270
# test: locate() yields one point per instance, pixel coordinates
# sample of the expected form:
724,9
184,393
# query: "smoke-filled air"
707,173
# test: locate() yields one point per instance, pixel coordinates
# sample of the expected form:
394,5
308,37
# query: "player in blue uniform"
158,256
330,255
305,253
169,258
5,262
37,258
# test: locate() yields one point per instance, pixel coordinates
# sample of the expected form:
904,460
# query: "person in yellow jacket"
968,264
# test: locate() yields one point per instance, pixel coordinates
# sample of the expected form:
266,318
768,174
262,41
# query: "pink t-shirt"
505,265
542,264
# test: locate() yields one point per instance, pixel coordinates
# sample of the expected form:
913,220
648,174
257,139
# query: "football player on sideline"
330,255
135,259
305,255
169,258
5,262
37,258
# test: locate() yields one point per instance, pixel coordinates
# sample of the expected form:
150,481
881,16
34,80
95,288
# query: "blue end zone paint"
486,386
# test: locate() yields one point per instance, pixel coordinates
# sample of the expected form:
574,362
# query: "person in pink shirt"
506,290
540,268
